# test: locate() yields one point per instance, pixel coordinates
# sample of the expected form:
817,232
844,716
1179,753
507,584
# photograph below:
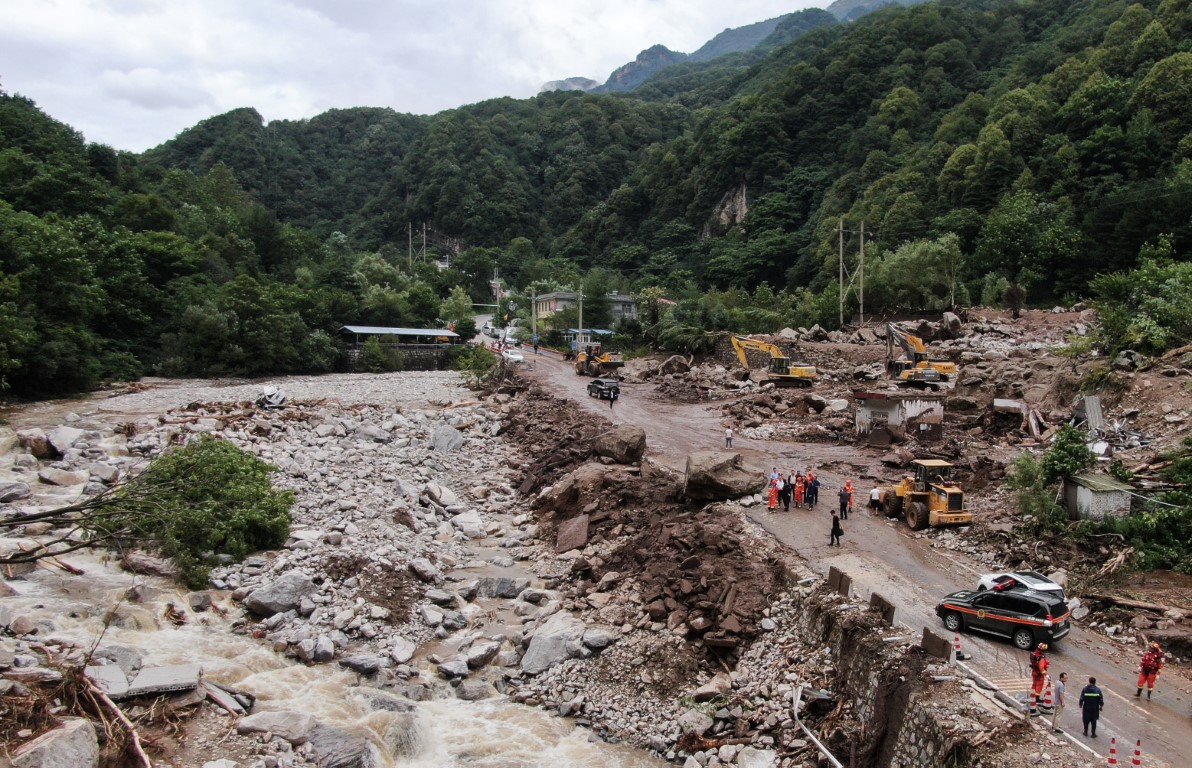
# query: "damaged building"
884,418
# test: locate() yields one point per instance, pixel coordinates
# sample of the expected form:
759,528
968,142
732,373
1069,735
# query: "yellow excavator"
592,360
914,368
929,497
782,372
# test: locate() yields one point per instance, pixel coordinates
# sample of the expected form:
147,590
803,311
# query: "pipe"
807,731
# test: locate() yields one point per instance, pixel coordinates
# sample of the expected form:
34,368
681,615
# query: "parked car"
1013,579
605,389
513,356
487,329
1026,617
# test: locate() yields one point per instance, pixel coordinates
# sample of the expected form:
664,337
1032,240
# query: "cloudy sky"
133,73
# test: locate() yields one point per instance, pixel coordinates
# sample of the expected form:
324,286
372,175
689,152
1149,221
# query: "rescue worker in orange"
1039,665
1148,669
773,495
848,486
800,491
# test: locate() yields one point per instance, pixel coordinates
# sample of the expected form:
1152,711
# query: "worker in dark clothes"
1091,704
837,531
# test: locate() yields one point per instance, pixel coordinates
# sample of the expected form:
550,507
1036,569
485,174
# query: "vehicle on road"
782,372
1018,579
487,328
513,356
928,497
605,389
1026,617
593,360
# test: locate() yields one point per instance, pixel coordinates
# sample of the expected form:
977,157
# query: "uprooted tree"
193,504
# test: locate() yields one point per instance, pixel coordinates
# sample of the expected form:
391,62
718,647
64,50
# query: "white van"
487,330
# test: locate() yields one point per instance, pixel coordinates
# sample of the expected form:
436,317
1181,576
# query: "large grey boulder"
71,745
469,524
557,640
13,492
625,444
294,727
55,476
341,748
374,433
64,438
716,475
281,595
446,439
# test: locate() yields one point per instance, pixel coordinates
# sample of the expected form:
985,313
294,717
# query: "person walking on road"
1061,701
875,499
1039,665
728,437
845,497
1091,703
837,531
812,490
1148,669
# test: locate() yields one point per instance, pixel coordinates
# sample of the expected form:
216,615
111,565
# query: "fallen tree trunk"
1125,602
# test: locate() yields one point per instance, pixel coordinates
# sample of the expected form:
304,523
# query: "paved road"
884,556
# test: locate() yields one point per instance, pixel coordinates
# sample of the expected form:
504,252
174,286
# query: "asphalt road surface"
886,557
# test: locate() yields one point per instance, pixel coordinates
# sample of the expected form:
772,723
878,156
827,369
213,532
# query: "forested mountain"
983,145
848,10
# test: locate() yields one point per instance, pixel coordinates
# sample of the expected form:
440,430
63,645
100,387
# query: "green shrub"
1035,496
197,501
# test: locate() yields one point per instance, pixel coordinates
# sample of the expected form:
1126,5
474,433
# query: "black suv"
1025,616
605,389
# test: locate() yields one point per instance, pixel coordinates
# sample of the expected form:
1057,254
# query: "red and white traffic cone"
1137,753
956,647
1112,751
1047,708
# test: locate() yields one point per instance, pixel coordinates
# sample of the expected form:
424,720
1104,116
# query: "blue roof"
381,331
597,331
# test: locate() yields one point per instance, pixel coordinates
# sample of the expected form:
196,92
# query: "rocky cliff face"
570,84
633,74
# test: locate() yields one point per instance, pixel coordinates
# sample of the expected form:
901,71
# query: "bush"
1068,456
477,364
1035,496
197,501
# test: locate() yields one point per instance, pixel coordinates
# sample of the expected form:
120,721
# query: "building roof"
382,331
597,331
573,296
1095,481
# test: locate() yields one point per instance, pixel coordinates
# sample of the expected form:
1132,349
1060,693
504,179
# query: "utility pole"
580,331
423,241
410,245
534,317
840,291
862,273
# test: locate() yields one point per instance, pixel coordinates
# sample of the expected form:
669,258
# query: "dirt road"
884,556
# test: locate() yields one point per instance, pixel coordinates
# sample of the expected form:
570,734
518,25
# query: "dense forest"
986,149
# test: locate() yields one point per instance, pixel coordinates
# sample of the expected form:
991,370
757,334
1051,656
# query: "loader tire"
917,516
892,505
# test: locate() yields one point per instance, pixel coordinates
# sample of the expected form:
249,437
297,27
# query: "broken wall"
896,420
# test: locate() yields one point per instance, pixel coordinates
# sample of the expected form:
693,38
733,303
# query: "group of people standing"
1091,700
803,490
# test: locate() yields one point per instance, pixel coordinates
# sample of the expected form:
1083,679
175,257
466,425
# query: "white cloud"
133,73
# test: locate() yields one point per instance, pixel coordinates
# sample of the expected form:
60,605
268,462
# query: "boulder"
815,402
469,524
950,325
294,727
365,665
454,667
402,650
53,476
625,444
482,653
674,364
558,639
719,685
473,690
73,744
573,534
13,492
598,639
576,489
503,587
374,433
281,595
424,570
341,748
105,473
446,439
63,438
715,475
694,721
35,442
751,757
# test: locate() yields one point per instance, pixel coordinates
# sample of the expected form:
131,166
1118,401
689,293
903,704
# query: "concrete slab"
110,678
176,677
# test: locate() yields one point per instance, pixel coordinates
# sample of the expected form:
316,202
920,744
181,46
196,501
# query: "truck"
782,373
915,368
929,497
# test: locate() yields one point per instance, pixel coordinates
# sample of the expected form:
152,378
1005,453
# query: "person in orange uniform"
800,490
1148,669
773,494
848,486
1039,666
